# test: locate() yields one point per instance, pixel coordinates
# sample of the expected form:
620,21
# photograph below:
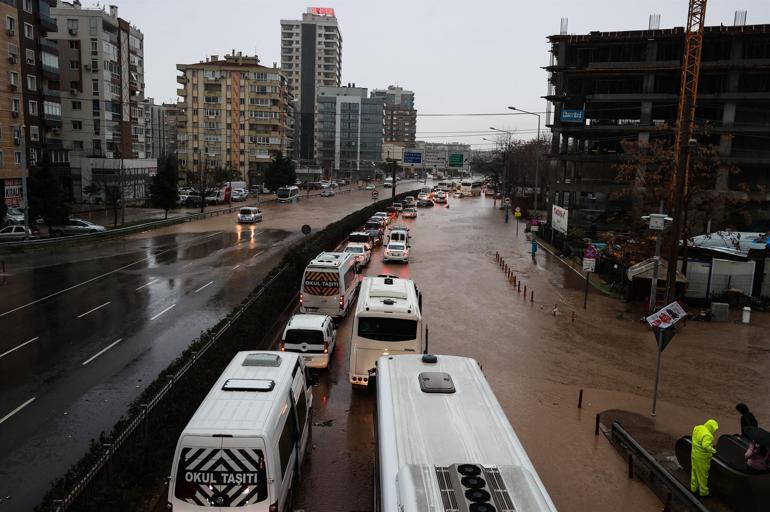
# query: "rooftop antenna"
563,29
740,18
654,23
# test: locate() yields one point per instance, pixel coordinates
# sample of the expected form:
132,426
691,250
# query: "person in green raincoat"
702,451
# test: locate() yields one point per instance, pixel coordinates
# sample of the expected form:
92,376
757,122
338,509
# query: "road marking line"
92,310
147,284
204,286
22,406
235,267
18,347
54,294
185,266
168,308
260,252
102,351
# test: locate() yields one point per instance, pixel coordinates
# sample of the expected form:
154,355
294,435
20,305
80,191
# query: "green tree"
46,196
91,190
164,184
280,173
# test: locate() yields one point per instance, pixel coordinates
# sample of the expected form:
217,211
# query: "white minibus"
388,321
329,284
288,194
470,187
244,446
442,437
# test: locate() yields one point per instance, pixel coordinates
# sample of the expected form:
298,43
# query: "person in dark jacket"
747,417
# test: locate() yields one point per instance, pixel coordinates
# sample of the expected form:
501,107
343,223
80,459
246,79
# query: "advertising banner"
572,115
667,316
13,192
560,218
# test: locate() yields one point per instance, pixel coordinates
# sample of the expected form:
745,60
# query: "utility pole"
537,154
202,166
24,177
122,194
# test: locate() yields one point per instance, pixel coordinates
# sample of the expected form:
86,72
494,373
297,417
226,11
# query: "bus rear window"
387,329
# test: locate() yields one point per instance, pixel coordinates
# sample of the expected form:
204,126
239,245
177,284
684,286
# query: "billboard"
412,156
572,115
321,11
559,218
13,192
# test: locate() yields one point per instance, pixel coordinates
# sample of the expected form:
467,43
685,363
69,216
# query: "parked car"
424,203
192,201
362,253
409,213
76,227
327,192
370,186
15,233
239,194
249,214
396,251
14,216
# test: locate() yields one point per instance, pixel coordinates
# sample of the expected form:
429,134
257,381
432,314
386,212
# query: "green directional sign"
456,160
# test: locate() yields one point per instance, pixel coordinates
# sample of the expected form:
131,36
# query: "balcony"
49,71
52,120
181,92
47,23
181,79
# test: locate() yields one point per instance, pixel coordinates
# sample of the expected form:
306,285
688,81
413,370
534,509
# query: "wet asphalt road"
85,328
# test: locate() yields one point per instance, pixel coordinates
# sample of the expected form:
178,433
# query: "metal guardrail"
674,487
75,491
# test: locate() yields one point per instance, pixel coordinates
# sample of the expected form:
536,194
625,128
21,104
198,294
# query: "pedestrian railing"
116,442
677,496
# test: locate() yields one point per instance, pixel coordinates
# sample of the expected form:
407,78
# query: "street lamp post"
537,154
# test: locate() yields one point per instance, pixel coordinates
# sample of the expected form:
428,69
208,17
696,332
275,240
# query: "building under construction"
612,88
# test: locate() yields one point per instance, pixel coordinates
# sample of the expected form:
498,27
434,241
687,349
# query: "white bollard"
746,318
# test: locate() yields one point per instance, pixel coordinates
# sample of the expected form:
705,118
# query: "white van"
288,194
312,336
249,214
245,445
329,284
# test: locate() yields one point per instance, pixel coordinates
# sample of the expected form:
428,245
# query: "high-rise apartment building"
11,156
400,114
39,85
349,132
311,57
159,128
102,88
233,113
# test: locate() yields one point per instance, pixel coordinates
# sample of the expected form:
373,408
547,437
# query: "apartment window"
30,56
76,86
10,24
94,46
74,64
77,125
93,24
31,82
13,50
72,24
76,105
14,79
34,133
95,106
94,65
32,108
52,108
95,85
29,31
15,104
27,5
17,157
74,43
77,144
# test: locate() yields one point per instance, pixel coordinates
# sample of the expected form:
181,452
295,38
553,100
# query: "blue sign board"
412,157
572,115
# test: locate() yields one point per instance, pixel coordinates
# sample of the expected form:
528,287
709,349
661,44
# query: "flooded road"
536,363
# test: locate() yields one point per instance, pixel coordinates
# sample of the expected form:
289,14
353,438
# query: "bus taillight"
301,299
342,301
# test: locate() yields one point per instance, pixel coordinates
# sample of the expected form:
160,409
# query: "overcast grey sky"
457,56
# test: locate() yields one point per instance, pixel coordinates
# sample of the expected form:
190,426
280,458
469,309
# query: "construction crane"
684,142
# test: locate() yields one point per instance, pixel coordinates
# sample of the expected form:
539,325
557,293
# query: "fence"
123,468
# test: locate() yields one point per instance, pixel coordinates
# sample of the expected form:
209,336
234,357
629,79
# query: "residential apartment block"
159,127
11,114
611,87
102,88
311,57
349,132
233,113
400,114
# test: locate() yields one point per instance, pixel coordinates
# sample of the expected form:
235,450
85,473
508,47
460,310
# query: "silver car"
76,227
14,216
14,233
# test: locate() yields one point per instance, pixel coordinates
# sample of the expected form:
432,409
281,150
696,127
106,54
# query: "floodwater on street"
536,362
